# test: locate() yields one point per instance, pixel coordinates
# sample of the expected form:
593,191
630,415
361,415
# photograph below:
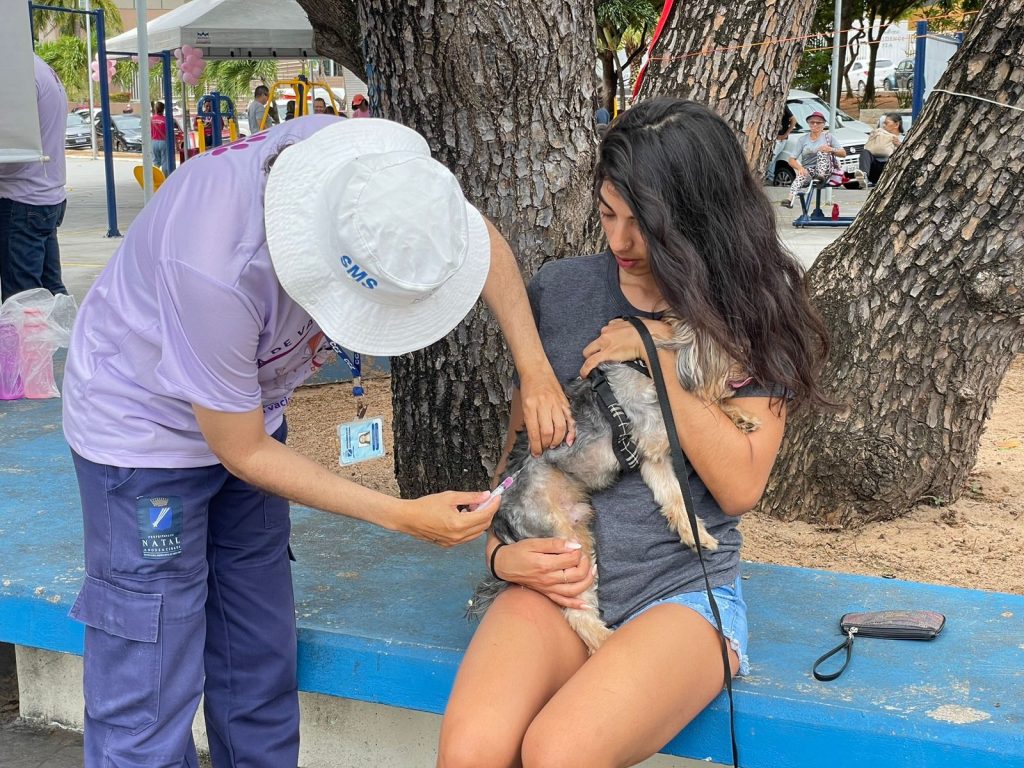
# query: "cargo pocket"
122,660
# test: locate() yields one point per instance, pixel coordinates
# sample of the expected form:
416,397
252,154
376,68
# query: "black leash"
682,468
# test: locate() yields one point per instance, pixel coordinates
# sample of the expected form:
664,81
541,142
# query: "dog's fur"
551,495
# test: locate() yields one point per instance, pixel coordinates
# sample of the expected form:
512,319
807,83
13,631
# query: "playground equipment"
302,87
209,108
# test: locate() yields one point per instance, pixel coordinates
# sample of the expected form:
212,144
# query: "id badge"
361,441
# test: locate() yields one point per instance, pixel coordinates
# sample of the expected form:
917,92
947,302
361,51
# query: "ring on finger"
564,579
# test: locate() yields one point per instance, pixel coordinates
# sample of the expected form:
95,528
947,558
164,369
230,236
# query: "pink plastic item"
11,385
37,350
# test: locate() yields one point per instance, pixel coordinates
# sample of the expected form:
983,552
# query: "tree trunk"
609,82
503,93
923,297
716,54
336,31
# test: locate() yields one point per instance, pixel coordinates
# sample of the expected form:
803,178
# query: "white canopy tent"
20,140
229,29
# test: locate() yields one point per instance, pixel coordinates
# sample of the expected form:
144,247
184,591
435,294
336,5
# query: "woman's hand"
438,518
554,567
620,342
546,412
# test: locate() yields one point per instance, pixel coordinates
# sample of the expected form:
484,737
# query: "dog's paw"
744,422
588,625
707,541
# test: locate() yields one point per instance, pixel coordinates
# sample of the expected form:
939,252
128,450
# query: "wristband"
493,553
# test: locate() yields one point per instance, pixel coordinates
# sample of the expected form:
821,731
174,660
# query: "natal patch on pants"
160,521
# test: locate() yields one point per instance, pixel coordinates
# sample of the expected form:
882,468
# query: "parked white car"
859,74
851,134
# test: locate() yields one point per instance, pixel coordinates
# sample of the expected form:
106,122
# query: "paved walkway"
85,249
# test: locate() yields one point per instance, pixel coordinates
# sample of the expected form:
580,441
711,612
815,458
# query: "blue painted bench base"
380,620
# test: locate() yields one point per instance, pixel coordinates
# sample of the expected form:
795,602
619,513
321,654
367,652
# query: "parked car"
851,135
902,77
859,74
125,130
76,133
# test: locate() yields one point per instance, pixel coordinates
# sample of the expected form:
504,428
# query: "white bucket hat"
373,237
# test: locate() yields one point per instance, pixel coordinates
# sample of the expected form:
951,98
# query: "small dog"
550,494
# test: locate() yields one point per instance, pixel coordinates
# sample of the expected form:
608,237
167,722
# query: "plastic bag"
33,325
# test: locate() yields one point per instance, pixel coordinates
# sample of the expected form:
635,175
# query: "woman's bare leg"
521,654
649,680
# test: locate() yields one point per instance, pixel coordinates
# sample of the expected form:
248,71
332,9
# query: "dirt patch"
976,542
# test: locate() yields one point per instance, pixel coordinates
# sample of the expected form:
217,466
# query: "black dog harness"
623,444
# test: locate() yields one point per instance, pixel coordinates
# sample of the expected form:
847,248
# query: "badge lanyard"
355,365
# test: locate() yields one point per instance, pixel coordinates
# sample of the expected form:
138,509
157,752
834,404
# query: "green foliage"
815,70
617,17
69,59
233,77
72,24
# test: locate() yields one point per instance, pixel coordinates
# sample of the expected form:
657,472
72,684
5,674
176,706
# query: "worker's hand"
556,568
619,342
440,519
546,412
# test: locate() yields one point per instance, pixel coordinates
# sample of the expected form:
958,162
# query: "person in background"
880,145
158,135
258,107
289,110
319,105
813,157
786,127
360,106
329,110
33,201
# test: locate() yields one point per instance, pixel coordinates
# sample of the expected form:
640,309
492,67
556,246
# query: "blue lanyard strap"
355,365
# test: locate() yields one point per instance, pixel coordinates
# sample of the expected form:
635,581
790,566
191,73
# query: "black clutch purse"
888,625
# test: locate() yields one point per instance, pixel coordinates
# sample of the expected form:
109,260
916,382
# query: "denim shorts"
731,608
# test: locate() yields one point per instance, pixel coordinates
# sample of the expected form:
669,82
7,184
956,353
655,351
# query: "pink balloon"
198,52
186,50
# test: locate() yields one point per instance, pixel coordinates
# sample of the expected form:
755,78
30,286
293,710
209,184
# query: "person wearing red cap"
813,157
360,106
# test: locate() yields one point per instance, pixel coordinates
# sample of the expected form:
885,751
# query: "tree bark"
336,32
924,298
726,57
503,93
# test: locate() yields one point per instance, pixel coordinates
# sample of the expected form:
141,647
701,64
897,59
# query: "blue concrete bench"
380,620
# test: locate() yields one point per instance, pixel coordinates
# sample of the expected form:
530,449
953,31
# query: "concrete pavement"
85,249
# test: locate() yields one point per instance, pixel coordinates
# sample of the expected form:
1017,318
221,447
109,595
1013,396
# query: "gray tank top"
640,560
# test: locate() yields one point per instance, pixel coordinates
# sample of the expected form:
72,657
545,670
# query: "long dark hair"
710,231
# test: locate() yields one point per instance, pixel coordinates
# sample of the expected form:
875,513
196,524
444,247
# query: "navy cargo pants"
187,591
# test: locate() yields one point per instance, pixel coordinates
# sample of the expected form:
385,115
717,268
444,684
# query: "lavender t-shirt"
189,310
42,183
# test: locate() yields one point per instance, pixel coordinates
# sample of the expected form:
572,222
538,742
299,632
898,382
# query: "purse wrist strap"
847,644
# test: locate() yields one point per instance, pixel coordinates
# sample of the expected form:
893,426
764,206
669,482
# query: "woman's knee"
550,744
471,748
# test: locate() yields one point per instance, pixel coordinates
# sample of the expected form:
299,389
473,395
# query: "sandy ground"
976,542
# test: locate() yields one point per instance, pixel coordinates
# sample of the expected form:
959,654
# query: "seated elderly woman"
880,145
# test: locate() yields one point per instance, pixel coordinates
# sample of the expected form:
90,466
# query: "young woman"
689,231
813,158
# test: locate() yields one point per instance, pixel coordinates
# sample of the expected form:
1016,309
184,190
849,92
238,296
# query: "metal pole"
917,97
88,54
169,108
142,20
108,156
833,98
